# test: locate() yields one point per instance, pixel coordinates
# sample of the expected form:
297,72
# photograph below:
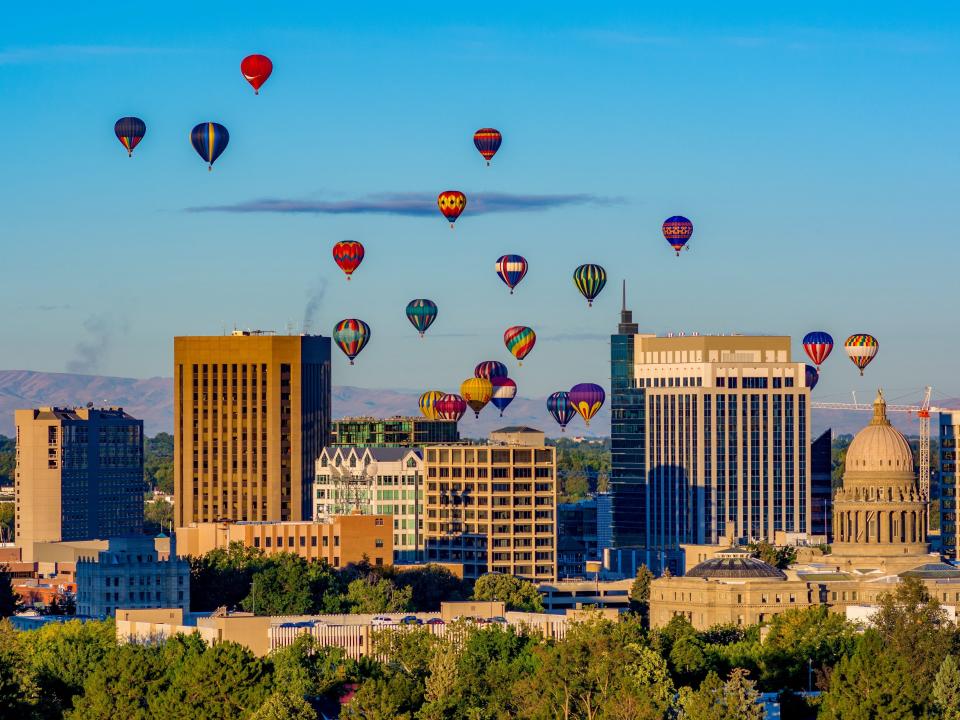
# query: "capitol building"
880,521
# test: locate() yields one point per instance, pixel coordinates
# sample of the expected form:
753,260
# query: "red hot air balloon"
348,254
450,407
451,204
256,69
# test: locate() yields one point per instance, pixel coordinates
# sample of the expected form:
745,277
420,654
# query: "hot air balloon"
450,407
511,269
348,254
590,280
560,407
490,369
504,391
861,349
677,230
209,140
351,336
813,376
477,392
451,204
519,341
130,131
586,399
488,142
818,346
256,69
428,404
421,313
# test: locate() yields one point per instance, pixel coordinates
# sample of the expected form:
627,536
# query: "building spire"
627,325
879,410
623,308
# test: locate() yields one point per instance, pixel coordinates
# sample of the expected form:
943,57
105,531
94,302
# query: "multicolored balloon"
587,399
590,280
488,142
861,349
130,131
520,341
256,69
818,345
348,254
511,269
450,407
209,140
677,230
428,404
561,408
504,391
351,336
490,369
421,313
812,376
477,393
451,204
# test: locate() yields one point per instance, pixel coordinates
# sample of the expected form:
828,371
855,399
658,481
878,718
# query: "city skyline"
798,217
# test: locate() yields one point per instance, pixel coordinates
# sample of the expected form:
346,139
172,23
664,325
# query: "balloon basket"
451,226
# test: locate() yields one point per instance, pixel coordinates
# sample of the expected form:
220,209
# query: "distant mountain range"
151,399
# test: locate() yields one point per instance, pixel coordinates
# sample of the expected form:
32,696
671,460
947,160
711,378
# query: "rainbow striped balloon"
520,341
351,336
861,349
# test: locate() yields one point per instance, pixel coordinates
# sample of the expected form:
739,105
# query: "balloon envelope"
451,204
477,392
428,404
256,69
451,407
818,345
209,140
487,141
511,269
519,341
504,391
130,131
587,399
348,254
490,369
677,230
351,336
861,349
813,377
421,313
558,405
590,280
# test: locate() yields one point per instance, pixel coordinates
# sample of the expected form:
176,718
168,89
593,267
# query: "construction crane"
922,411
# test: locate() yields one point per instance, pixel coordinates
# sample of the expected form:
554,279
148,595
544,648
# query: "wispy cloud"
94,347
70,53
410,204
46,308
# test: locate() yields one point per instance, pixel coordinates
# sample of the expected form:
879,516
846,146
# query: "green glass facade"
392,432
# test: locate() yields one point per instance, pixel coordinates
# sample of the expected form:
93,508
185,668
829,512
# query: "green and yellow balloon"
590,280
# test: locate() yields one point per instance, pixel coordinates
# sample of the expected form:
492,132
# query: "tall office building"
79,475
252,414
821,486
493,507
392,432
947,491
710,438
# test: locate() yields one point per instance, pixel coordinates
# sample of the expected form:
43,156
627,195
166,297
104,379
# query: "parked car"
498,619
411,620
435,621
382,620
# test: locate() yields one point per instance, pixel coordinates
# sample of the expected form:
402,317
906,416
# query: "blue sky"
814,146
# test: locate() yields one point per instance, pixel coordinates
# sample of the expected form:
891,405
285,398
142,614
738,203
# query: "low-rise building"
374,481
130,573
397,431
341,540
578,594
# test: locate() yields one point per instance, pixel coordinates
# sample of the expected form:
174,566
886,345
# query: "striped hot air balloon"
861,349
130,131
818,345
587,399
348,254
428,404
421,313
209,140
519,340
351,336
488,142
477,393
504,391
511,269
558,405
590,280
450,407
677,230
451,204
490,369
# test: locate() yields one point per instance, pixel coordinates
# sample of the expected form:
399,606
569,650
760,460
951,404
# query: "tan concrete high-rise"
252,414
493,507
79,475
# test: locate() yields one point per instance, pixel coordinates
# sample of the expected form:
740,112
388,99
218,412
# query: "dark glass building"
821,486
392,432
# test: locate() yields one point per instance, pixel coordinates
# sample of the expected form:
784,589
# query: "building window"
378,522
378,542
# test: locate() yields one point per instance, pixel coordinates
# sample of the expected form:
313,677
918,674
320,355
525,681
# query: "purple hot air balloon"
490,369
559,406
813,377
587,399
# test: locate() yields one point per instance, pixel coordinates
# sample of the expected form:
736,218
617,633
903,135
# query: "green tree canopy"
518,594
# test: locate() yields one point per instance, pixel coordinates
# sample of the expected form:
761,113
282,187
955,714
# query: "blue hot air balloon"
813,377
561,408
421,313
209,140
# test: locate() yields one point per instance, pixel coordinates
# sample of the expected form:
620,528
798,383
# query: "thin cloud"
410,204
70,53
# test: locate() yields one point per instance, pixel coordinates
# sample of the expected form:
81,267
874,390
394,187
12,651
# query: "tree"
10,602
517,594
18,690
799,637
779,557
409,652
157,517
119,686
284,705
946,689
372,595
735,699
640,592
281,587
395,697
223,576
309,669
7,524
431,584
441,684
158,462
